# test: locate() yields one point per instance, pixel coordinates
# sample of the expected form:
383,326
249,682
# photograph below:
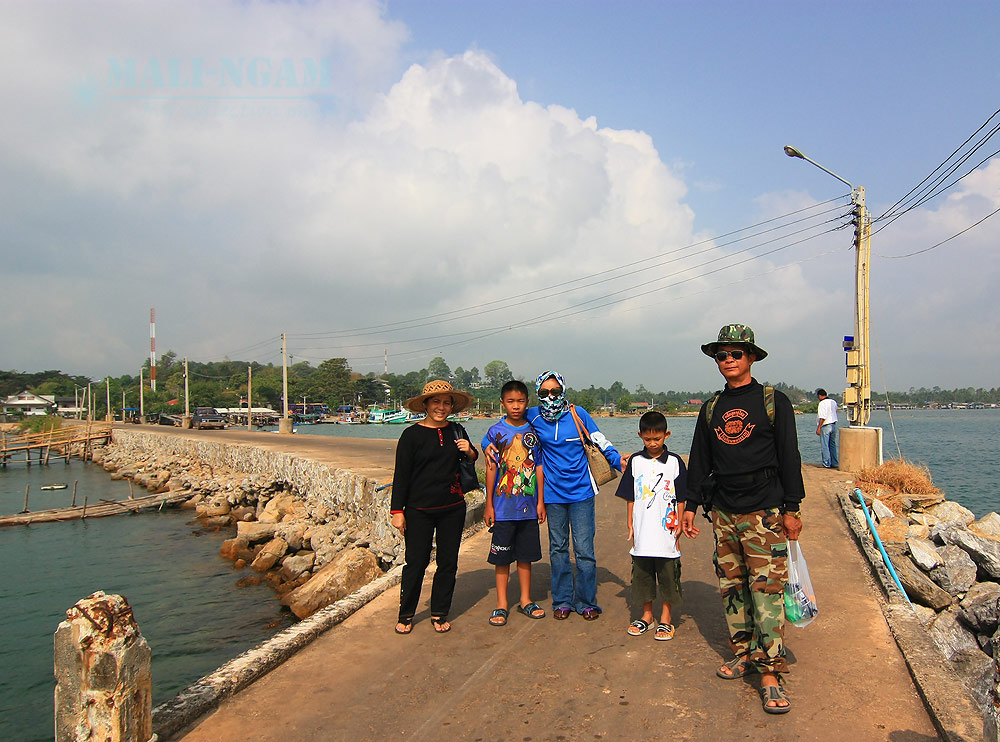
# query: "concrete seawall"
325,483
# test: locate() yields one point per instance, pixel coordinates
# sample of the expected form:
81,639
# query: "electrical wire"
933,247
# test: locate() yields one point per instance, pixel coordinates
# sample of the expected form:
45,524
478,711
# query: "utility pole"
107,382
142,406
858,395
187,406
285,424
249,399
860,445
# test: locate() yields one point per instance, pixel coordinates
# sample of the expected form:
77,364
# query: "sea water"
184,595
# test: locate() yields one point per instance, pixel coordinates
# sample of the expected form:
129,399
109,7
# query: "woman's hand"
466,448
399,522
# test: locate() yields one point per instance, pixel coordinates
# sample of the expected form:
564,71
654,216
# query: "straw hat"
433,388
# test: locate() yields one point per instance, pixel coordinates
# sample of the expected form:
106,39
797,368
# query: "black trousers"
422,526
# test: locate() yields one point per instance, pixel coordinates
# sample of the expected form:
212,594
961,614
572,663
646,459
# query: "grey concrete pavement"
574,680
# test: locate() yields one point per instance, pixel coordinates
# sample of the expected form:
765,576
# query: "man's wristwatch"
797,514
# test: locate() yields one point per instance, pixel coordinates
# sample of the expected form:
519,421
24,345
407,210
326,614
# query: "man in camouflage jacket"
746,473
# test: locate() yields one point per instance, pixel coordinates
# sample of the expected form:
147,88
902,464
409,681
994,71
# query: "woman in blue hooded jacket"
569,496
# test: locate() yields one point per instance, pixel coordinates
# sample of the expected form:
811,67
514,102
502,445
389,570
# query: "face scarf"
552,407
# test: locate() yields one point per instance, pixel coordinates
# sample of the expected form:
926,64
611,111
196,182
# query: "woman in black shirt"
427,498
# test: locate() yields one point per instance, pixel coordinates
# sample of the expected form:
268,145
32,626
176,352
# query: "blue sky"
461,159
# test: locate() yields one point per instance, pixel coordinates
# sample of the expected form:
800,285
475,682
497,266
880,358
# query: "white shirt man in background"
826,429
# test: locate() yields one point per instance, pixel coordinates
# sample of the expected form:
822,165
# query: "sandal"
774,693
638,627
664,632
532,610
404,625
499,613
440,624
590,614
738,667
561,614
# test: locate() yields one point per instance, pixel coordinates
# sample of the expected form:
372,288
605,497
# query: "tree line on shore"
332,382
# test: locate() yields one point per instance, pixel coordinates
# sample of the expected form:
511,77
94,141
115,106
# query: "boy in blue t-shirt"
654,484
514,502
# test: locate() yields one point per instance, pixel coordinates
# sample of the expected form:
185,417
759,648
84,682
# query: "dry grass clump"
898,482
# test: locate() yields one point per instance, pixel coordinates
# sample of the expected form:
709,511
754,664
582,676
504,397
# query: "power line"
932,247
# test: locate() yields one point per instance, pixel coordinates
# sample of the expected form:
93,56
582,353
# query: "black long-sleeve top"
426,474
753,466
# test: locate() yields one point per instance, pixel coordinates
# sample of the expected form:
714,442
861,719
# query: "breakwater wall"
948,562
312,531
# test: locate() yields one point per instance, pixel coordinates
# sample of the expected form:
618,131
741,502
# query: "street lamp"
857,396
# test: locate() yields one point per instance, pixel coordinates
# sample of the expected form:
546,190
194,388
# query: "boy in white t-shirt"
654,486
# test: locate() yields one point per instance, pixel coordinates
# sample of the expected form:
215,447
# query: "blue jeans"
575,589
828,446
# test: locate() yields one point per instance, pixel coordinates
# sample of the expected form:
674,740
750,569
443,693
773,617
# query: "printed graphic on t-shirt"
733,430
516,470
649,487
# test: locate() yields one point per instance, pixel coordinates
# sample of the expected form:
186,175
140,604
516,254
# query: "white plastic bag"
800,600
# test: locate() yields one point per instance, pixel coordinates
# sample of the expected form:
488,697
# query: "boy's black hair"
514,386
652,422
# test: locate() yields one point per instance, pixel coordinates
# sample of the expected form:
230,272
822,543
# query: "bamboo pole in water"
76,482
84,515
26,488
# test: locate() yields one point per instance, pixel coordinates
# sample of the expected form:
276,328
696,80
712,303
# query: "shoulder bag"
600,468
467,475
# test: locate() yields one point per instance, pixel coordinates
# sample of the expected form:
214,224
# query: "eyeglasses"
722,355
543,393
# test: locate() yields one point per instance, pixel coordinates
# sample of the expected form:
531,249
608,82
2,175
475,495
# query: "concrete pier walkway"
574,680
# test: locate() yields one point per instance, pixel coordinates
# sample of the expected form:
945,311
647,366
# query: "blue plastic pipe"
878,543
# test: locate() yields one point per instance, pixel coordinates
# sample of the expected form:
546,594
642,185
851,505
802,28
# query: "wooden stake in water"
26,488
130,495
84,515
74,491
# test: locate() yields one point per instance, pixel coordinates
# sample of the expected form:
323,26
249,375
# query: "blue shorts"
515,541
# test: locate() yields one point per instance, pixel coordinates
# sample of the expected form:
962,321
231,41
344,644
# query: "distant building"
28,403
694,402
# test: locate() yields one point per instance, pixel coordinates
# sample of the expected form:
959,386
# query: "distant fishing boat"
462,417
53,486
401,417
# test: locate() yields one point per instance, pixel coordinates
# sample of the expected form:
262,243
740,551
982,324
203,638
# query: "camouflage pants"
751,561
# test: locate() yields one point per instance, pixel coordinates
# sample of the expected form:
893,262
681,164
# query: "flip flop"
561,614
531,610
770,693
738,666
406,623
440,624
664,632
499,613
590,614
640,626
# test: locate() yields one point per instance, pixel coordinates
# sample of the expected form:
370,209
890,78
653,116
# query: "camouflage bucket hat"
735,335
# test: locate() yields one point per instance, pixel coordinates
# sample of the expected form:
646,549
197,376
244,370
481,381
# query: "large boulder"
923,553
988,525
893,530
294,567
951,636
269,555
232,548
253,531
918,586
278,507
985,551
951,512
350,570
981,607
957,572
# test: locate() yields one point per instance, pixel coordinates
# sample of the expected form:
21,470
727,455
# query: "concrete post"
860,448
285,426
103,681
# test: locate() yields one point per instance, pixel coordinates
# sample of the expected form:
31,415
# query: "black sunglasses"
722,355
543,393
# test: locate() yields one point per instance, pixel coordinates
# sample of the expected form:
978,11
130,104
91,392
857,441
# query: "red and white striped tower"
152,349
